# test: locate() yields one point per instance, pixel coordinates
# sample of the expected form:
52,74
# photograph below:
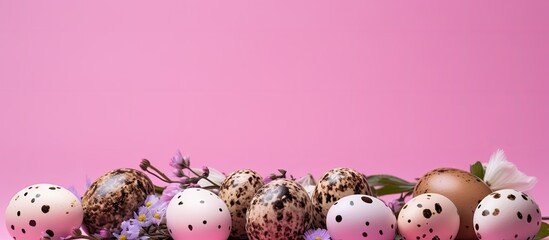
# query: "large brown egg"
464,189
237,192
334,185
280,209
113,198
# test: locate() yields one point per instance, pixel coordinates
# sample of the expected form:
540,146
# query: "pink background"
391,87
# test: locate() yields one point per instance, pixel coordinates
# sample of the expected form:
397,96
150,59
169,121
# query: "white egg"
507,214
196,213
428,216
43,210
360,217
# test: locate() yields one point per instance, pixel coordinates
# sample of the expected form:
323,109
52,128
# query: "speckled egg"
462,188
196,213
507,214
361,217
334,185
280,209
428,216
237,192
113,198
43,210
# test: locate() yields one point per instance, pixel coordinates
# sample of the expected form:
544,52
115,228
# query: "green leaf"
386,184
543,231
382,180
478,170
393,189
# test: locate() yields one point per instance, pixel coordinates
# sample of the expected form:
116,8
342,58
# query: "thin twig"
200,176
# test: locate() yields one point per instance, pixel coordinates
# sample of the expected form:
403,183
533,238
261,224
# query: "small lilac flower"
317,234
73,190
88,182
205,171
143,216
177,172
130,230
151,200
158,212
396,205
179,162
171,190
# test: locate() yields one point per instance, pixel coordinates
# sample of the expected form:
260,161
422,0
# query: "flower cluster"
152,213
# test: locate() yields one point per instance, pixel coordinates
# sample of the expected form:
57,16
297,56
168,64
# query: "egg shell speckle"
237,192
428,216
196,213
113,198
334,185
361,217
462,188
507,214
43,210
280,209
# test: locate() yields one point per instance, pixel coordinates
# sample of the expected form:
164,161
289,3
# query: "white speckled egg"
334,185
360,217
43,210
429,216
280,209
196,213
507,214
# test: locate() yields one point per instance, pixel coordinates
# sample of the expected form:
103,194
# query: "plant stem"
161,173
200,176
162,179
158,189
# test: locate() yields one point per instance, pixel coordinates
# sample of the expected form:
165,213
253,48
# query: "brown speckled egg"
280,209
463,188
237,192
113,198
334,185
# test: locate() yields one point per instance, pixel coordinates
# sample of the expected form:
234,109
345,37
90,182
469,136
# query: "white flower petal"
502,174
308,182
215,176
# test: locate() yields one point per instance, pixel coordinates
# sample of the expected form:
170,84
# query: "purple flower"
151,200
88,182
317,234
205,171
130,231
143,216
73,190
179,162
158,212
170,191
177,172
153,211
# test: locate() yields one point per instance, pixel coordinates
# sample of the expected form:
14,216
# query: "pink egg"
196,213
360,217
43,210
429,216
